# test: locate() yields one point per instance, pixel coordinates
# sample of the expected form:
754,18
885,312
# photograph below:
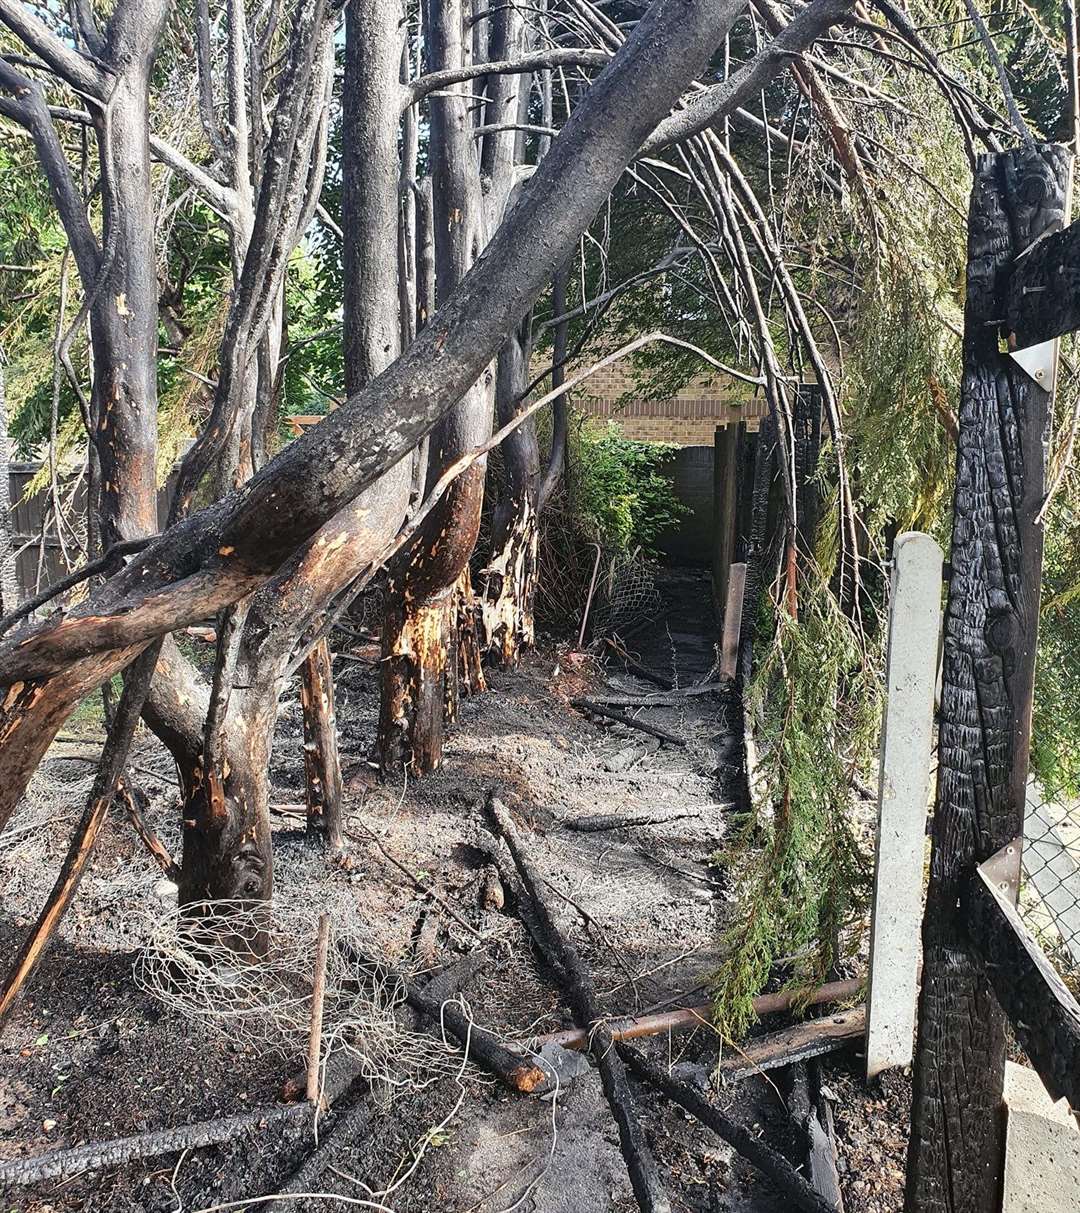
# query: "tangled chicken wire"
192,964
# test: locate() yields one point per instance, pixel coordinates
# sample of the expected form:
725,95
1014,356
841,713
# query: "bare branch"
711,104
219,197
417,90
26,105
71,66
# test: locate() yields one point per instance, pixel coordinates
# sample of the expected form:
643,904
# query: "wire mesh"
1050,876
192,965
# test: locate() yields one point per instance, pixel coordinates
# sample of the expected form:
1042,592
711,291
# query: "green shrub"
622,492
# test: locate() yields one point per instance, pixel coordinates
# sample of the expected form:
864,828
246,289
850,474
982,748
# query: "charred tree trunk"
423,616
991,625
322,768
510,575
227,852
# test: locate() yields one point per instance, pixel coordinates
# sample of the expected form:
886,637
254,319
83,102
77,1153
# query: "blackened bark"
991,625
510,575
421,630
322,768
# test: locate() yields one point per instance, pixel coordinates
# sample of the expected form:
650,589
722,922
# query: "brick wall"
689,418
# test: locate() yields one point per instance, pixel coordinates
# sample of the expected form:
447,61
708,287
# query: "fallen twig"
575,978
767,1161
805,1040
318,992
597,823
60,1164
636,1027
422,885
598,709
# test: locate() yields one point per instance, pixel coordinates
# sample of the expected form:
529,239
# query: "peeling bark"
422,631
322,769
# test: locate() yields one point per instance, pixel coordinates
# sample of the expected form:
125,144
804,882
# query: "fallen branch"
575,979
455,977
597,823
518,1073
153,844
768,1162
94,1156
805,1040
590,705
636,1027
673,699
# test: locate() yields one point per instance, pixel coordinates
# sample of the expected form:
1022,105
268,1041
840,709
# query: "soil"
91,1053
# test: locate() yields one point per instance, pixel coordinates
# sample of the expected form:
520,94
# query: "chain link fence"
1050,876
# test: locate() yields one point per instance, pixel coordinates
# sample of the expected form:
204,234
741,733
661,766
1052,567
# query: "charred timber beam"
814,1038
1044,290
1044,1015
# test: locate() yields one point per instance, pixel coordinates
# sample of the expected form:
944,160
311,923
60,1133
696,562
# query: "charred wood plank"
1044,291
1044,1015
813,1038
581,995
598,709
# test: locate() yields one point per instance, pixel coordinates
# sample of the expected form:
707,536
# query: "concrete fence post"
903,799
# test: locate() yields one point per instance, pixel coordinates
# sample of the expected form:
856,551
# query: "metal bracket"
1002,870
1038,362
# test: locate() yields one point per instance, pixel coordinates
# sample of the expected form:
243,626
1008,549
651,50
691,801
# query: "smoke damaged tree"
278,532
429,642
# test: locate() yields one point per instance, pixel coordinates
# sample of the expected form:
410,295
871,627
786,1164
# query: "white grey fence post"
906,739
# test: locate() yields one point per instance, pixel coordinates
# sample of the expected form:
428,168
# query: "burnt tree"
429,628
991,627
227,550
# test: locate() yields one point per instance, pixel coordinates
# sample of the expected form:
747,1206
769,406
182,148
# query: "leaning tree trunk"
225,551
991,627
227,844
425,612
